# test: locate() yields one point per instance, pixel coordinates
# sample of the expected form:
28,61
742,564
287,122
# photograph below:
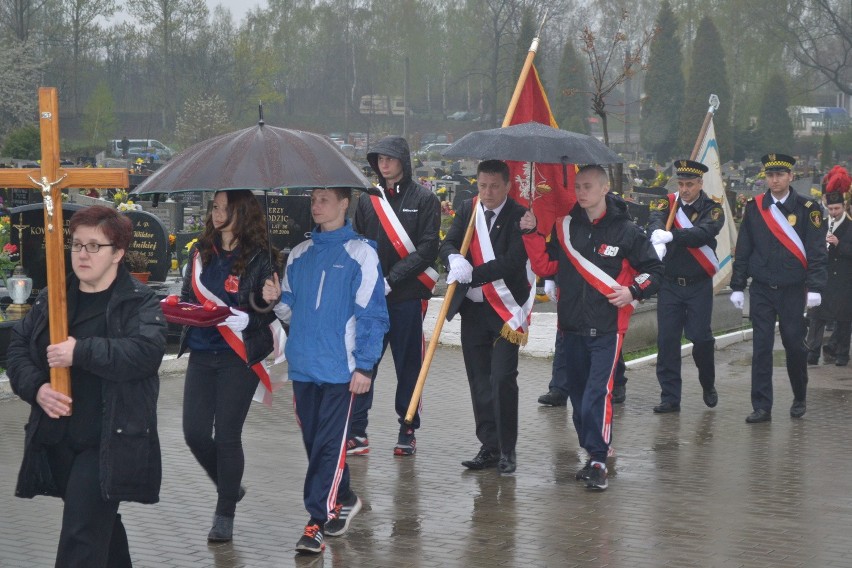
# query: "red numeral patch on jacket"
607,250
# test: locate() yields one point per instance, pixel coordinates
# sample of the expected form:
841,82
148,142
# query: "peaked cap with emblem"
687,169
778,162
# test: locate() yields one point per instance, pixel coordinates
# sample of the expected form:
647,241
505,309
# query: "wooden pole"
439,324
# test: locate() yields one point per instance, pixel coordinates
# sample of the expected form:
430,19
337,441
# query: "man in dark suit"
781,246
497,299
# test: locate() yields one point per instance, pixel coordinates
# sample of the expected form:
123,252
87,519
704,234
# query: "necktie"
489,216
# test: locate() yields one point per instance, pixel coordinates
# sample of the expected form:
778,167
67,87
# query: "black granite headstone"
151,238
462,195
289,219
28,234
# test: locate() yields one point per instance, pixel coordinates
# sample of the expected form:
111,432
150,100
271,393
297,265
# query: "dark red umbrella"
263,158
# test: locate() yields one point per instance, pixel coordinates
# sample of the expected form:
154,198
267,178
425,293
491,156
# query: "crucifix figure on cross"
51,180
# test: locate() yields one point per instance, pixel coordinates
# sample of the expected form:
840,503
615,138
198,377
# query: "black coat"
127,361
257,336
510,259
837,294
761,256
419,212
707,219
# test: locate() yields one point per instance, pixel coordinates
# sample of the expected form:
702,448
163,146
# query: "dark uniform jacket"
126,361
510,258
419,212
837,294
707,219
761,256
257,336
616,245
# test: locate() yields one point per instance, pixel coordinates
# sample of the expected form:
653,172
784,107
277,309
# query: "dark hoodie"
419,212
614,244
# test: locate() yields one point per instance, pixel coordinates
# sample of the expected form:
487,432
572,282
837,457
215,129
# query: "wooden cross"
51,180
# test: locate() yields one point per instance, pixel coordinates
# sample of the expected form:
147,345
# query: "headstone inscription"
288,219
28,235
151,238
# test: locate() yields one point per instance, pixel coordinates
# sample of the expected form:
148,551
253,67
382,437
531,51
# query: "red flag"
553,199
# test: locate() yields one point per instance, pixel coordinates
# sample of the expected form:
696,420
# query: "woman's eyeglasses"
91,248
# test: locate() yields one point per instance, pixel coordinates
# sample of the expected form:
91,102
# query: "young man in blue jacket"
333,297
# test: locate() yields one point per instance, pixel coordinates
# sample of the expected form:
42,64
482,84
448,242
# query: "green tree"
664,88
99,122
708,76
773,123
571,101
19,79
202,118
23,143
525,37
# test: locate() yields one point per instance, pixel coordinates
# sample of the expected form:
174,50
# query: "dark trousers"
92,534
405,337
590,363
559,376
491,363
217,394
324,411
837,345
787,304
684,310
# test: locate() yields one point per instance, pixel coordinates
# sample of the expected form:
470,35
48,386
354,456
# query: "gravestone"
27,233
463,194
151,238
289,219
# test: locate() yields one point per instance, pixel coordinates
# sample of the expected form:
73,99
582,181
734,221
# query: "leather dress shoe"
841,362
484,459
508,462
223,529
759,415
619,394
798,409
666,407
553,398
711,397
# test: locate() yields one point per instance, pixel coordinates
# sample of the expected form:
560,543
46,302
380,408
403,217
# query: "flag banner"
708,154
551,198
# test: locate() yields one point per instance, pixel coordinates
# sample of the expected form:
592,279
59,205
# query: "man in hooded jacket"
404,220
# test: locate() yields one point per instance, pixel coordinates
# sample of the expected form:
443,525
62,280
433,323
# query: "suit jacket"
510,256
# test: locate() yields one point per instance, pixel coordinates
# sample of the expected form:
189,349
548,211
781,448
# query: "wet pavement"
701,488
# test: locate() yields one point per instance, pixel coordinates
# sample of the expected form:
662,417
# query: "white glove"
460,270
814,299
552,290
238,321
387,287
661,250
738,299
283,312
661,237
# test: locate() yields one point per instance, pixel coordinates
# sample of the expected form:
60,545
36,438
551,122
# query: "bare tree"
81,17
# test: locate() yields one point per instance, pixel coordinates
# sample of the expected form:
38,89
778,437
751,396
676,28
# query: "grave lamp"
19,286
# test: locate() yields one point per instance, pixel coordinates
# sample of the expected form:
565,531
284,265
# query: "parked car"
463,115
432,151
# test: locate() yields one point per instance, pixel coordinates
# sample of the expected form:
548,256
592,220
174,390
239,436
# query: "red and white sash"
399,239
235,338
594,275
704,255
781,228
515,316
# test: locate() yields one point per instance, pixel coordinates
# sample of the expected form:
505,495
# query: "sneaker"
406,444
597,477
312,539
343,513
583,473
357,446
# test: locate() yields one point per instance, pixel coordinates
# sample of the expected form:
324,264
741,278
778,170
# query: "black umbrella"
533,142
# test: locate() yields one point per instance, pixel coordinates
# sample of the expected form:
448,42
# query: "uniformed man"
683,231
837,303
781,247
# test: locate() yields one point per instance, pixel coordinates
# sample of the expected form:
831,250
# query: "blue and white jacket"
333,294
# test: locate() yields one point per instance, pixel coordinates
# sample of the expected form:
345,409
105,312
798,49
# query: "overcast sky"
238,8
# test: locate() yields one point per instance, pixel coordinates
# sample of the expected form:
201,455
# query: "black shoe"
312,541
813,358
343,514
619,394
711,397
241,494
759,415
223,529
798,409
828,358
666,407
508,462
841,362
406,443
597,478
583,473
484,459
553,398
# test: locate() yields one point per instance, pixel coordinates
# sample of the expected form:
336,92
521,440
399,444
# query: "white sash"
682,221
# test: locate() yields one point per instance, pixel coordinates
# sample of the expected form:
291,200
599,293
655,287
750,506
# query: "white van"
142,148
